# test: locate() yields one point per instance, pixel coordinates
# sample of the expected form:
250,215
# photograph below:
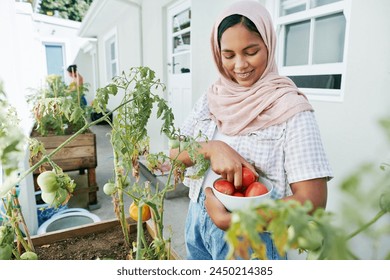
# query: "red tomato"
239,194
248,177
224,186
256,189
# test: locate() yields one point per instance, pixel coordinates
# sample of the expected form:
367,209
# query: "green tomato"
173,143
5,252
7,235
109,188
291,233
384,201
56,198
47,181
29,256
311,238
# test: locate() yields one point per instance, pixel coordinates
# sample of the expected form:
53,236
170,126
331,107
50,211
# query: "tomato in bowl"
251,196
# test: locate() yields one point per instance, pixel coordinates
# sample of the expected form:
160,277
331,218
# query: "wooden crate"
79,154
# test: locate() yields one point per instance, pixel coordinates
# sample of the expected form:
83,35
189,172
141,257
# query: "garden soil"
108,244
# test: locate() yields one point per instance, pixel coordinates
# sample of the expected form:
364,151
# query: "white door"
179,60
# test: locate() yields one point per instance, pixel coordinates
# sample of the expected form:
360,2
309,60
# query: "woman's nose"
241,62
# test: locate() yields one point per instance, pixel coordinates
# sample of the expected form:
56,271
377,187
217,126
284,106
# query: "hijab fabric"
273,99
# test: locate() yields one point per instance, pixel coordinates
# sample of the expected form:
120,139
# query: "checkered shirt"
286,153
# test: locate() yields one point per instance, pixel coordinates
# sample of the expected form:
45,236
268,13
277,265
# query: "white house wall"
125,26
350,128
154,56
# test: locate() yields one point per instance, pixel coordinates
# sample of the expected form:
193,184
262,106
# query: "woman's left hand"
217,212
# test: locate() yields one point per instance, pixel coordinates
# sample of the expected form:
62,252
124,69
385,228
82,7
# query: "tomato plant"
56,113
256,189
224,186
130,141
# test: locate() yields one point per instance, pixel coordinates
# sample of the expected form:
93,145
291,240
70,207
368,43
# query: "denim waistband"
201,196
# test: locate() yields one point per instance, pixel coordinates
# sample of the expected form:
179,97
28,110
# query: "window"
111,57
55,59
181,42
312,36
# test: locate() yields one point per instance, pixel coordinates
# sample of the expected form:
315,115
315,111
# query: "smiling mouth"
244,75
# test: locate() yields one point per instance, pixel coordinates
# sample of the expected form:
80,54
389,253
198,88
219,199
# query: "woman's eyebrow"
247,47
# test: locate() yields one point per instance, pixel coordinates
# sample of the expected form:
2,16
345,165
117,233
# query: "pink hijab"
272,100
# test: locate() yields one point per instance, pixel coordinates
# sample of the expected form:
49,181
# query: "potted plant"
59,113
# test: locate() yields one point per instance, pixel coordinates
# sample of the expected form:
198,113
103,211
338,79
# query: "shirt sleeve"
199,111
305,156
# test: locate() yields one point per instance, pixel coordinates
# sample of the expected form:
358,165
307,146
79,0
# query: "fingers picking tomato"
248,177
256,189
224,186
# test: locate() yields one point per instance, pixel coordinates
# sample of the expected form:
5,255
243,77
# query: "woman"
77,83
77,79
252,116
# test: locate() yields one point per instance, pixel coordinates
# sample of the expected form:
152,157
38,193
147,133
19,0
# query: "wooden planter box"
84,230
79,154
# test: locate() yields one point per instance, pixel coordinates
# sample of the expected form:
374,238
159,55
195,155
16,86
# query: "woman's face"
244,54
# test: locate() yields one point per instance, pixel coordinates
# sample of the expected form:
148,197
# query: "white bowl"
238,203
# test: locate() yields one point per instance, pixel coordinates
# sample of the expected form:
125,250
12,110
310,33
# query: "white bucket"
68,218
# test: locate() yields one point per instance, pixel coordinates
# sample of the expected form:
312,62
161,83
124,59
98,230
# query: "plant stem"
118,182
19,213
367,225
139,233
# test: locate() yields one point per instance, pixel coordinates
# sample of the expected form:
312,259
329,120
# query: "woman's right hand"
226,161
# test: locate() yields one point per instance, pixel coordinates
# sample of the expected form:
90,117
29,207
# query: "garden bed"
102,240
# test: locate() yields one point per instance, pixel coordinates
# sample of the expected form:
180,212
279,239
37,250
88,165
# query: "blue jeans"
205,241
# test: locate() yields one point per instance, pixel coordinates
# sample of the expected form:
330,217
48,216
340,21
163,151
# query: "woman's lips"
243,75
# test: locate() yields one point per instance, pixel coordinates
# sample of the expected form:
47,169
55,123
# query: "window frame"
63,55
109,38
321,94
